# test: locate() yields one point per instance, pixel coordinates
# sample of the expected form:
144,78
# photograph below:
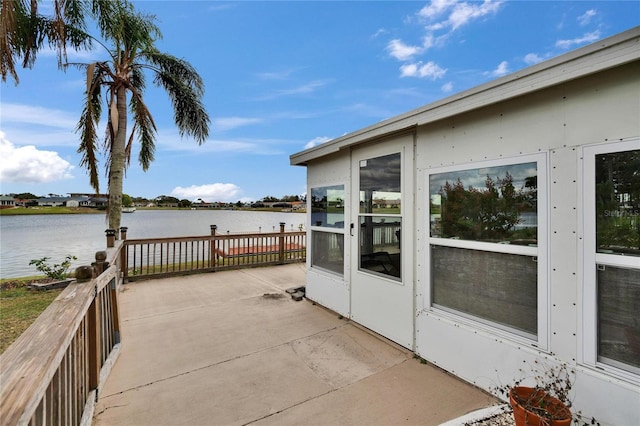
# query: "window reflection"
380,185
492,204
618,203
327,206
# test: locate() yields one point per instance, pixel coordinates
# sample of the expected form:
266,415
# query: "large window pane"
328,251
380,244
327,206
380,185
491,204
496,287
618,318
618,203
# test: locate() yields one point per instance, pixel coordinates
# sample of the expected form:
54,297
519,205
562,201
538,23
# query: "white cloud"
316,141
97,53
228,123
404,52
436,8
532,58
502,69
299,90
464,12
585,19
459,13
380,32
586,38
209,192
401,51
277,75
447,87
35,115
27,164
429,70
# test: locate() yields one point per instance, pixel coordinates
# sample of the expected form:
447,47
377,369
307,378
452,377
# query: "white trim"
590,258
492,247
541,341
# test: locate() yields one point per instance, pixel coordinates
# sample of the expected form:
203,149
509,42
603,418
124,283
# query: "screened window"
327,225
380,222
484,231
616,201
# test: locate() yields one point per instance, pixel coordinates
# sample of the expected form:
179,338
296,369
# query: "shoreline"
25,211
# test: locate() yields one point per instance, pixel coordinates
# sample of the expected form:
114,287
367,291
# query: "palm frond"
87,126
146,129
11,14
185,89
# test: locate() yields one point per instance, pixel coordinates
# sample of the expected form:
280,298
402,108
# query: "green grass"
21,211
19,308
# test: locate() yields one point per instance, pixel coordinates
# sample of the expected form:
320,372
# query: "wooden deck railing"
52,373
161,257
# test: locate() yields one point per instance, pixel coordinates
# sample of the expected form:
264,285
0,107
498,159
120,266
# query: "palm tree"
132,36
23,32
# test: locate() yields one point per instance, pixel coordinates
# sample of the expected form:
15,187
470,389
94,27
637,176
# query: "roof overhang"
602,55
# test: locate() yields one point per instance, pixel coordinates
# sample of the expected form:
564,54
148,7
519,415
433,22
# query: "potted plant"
547,402
536,407
56,274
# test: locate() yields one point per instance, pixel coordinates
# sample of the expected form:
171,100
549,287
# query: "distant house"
498,226
7,202
98,202
53,201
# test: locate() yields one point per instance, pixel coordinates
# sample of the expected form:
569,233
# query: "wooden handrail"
51,373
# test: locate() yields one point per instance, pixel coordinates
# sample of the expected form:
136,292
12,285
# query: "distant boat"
128,209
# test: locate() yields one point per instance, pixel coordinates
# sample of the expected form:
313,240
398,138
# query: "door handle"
351,229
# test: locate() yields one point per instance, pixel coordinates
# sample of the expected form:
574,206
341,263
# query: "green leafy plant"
57,271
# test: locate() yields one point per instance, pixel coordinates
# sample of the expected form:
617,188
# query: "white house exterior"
510,231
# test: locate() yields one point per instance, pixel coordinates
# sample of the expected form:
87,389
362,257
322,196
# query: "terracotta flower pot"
534,407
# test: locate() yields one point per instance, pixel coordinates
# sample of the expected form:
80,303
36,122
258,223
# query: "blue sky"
282,76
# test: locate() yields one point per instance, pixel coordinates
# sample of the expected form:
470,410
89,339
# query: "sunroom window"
485,259
612,275
327,228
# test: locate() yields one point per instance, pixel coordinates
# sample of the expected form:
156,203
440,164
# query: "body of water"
23,238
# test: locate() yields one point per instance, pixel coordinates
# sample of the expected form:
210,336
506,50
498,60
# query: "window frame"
591,259
540,253
328,229
398,280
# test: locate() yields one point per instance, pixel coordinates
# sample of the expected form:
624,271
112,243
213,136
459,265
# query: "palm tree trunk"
116,168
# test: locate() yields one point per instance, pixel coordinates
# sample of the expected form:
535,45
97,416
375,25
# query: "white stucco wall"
556,122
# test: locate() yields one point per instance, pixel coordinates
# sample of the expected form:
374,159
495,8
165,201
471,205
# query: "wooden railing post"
111,237
213,245
281,242
124,254
101,264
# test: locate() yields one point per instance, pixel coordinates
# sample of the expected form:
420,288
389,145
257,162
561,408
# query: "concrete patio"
232,348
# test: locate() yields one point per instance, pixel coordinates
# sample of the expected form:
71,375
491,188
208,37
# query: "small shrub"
57,271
